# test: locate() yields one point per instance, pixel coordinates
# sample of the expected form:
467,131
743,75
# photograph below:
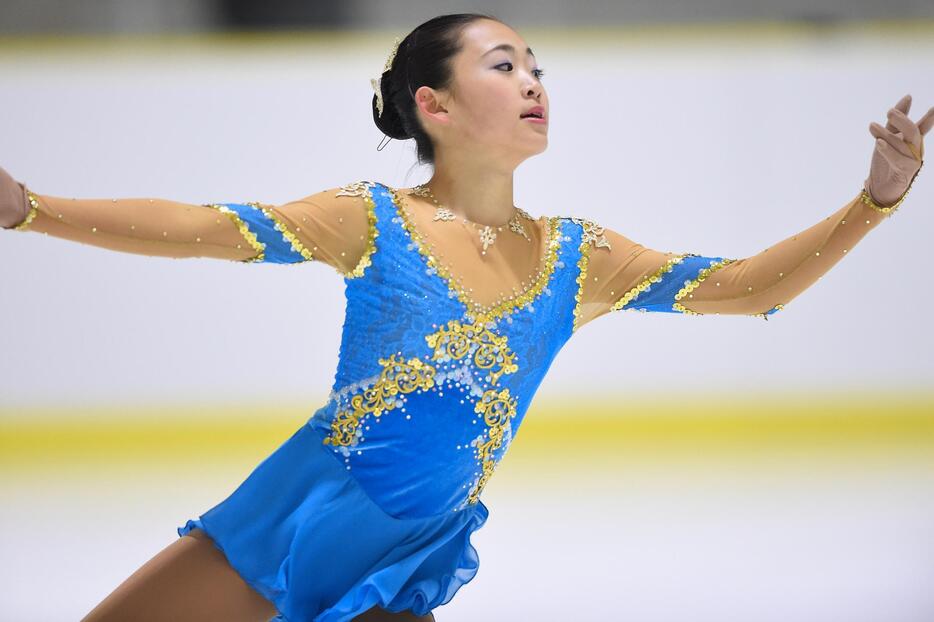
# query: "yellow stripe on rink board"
623,428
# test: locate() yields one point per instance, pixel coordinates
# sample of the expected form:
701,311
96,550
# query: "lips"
535,111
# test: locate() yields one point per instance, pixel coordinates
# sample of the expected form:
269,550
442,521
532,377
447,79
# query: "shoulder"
360,190
592,234
354,200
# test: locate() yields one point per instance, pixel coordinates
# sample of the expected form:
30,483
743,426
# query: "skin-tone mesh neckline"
504,306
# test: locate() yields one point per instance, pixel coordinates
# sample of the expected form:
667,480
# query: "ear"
432,104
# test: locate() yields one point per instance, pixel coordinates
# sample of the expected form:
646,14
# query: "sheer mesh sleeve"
334,226
620,274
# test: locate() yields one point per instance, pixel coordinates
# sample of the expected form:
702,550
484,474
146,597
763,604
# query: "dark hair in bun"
422,59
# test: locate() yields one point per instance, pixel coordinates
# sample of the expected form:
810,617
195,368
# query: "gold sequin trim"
475,310
397,376
644,285
290,237
31,214
497,409
694,283
363,189
592,236
581,277
248,235
490,351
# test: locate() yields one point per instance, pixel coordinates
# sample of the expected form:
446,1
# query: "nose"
534,89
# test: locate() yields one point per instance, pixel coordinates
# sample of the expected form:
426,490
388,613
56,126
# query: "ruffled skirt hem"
303,533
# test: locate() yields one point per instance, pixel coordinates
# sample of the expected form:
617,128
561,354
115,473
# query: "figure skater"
457,303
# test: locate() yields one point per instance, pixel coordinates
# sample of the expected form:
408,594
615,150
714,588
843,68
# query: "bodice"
430,391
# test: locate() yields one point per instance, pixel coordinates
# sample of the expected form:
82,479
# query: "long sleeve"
335,226
620,274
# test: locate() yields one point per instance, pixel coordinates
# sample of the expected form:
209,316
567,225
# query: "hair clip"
377,82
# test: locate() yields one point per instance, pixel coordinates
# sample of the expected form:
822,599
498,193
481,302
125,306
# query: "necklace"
487,232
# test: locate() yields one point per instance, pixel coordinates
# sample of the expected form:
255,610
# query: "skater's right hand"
898,153
14,204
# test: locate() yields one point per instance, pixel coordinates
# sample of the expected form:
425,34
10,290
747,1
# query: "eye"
537,72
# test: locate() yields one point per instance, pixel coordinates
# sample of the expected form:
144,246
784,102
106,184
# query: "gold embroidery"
476,311
644,285
592,234
248,235
478,344
489,350
694,283
497,409
31,214
355,189
363,189
290,237
398,376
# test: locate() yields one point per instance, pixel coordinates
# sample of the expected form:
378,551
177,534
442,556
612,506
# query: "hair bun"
390,122
422,58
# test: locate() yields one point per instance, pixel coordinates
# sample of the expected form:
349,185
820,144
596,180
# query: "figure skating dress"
372,502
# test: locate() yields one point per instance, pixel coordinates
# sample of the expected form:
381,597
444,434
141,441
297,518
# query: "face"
492,88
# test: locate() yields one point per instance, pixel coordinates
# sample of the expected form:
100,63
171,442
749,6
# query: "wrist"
31,203
887,210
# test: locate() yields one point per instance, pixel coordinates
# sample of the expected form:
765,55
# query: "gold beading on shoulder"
355,189
581,277
592,233
248,235
363,189
592,236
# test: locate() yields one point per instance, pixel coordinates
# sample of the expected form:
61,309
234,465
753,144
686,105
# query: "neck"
474,190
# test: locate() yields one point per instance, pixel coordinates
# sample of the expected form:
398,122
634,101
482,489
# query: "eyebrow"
508,48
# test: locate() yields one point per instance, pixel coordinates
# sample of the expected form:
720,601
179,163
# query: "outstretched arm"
333,226
630,276
624,275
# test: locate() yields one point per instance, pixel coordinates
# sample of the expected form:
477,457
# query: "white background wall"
720,143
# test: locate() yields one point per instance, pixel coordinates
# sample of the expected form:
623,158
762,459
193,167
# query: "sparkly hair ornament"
377,85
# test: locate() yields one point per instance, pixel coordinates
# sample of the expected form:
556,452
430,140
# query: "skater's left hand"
14,203
898,154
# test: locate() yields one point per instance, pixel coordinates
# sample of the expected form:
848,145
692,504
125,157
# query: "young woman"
457,303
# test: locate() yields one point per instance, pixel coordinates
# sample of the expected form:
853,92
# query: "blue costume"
373,500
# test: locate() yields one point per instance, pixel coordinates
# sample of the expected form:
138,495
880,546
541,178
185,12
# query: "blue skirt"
302,532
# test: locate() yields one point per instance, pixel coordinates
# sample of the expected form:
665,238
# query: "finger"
880,132
903,104
906,126
926,122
